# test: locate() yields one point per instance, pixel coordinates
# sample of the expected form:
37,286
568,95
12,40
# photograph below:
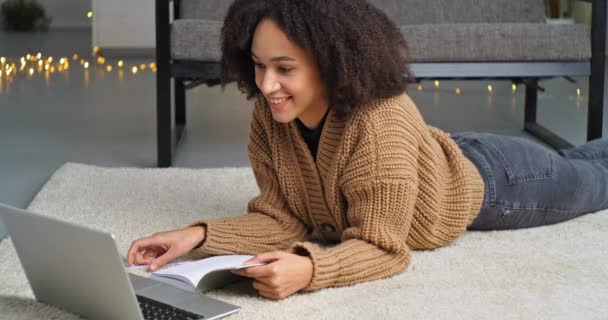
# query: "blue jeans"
529,185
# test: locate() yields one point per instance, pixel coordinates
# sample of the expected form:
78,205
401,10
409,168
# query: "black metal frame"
171,122
189,74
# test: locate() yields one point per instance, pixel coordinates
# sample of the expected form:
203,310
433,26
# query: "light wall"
67,13
125,24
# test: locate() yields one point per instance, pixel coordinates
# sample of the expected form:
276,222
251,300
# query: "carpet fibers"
552,272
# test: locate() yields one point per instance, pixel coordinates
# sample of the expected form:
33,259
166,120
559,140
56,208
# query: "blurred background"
77,84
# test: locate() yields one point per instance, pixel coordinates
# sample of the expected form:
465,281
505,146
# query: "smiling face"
287,76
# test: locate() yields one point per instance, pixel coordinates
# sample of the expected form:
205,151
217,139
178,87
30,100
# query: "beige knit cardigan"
383,183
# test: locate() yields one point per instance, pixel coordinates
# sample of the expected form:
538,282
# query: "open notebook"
205,274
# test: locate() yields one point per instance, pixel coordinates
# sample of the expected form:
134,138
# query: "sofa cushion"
405,12
204,9
199,40
497,42
410,11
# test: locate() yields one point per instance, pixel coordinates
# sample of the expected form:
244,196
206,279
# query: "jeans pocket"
522,159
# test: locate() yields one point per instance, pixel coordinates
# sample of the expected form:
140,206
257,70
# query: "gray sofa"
465,39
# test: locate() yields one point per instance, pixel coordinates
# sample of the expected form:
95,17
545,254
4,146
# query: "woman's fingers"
149,253
145,257
148,245
135,250
159,262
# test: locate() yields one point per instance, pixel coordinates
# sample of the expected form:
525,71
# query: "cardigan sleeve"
269,224
381,187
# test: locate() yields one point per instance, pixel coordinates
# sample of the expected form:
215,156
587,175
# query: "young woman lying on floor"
339,149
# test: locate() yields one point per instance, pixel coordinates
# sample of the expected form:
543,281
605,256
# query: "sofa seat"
199,40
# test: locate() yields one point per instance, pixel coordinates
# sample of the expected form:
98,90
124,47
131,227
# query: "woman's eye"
259,65
284,69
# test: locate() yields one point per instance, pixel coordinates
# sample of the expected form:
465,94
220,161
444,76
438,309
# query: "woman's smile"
279,103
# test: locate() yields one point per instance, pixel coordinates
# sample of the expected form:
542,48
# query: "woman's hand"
163,247
284,274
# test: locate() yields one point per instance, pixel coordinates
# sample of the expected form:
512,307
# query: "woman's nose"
269,83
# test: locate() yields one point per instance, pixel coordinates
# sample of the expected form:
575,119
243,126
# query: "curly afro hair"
360,52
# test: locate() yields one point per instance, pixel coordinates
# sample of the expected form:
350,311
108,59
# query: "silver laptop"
80,270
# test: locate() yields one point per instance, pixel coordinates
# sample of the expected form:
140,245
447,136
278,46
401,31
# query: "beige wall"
67,13
581,11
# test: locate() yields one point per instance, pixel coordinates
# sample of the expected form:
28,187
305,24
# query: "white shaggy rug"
553,272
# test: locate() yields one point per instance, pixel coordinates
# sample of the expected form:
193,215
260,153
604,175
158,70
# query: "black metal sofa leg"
180,111
595,113
530,124
163,120
164,133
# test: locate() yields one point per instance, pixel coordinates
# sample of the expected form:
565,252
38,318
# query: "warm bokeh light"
458,91
578,92
490,88
90,14
436,83
514,87
420,88
29,65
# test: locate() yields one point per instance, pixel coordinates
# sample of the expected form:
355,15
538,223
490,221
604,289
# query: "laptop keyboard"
154,310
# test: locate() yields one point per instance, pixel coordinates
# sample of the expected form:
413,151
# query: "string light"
514,87
457,90
437,83
419,87
29,64
90,14
578,92
490,88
